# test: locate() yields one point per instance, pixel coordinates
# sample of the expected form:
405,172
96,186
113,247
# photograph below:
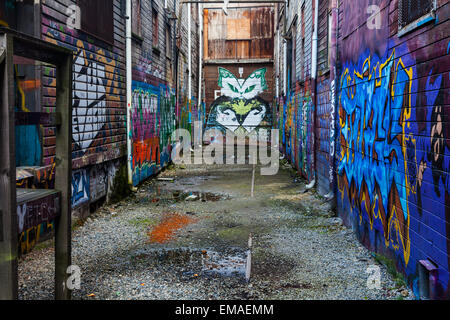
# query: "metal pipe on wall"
200,53
189,53
129,91
314,84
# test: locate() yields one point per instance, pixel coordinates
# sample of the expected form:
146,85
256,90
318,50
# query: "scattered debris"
192,197
166,179
310,186
298,286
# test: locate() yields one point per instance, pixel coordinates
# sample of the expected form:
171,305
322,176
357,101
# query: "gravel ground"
299,249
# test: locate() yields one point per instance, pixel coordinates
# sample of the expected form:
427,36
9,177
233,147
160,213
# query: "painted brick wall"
381,132
188,108
153,89
323,121
99,97
296,109
393,151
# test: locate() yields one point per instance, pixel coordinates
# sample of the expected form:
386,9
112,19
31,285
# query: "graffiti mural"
375,106
89,100
98,90
36,220
375,133
392,164
153,121
98,182
80,187
240,110
296,131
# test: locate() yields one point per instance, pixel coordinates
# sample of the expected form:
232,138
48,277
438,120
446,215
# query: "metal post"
63,177
8,215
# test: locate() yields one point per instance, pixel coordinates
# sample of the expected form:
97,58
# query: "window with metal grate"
411,10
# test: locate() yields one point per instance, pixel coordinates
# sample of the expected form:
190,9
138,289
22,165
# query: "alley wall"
369,130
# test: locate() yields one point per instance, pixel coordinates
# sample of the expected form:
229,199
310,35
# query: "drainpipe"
129,92
314,43
189,53
334,25
277,72
285,51
200,52
314,83
285,67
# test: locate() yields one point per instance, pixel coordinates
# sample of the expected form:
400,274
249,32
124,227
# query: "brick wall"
98,107
393,152
379,137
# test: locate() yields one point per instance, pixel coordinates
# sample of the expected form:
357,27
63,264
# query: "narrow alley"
187,238
263,150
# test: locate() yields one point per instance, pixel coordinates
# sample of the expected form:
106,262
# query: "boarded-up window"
411,10
97,18
245,33
155,24
136,26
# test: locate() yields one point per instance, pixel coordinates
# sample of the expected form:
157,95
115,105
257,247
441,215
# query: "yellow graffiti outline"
21,92
405,116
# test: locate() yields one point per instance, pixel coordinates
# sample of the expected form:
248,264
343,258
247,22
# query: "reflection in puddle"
196,263
216,263
181,195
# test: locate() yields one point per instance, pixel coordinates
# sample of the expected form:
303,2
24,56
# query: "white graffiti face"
227,118
254,118
248,114
89,100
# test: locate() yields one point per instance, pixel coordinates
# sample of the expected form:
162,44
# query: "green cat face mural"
240,88
239,109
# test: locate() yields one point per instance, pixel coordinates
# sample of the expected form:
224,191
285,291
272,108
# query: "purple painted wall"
392,156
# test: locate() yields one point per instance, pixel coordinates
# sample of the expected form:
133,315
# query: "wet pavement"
186,235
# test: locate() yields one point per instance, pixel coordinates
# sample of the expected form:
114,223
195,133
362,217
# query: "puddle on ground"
214,263
197,263
198,196
156,194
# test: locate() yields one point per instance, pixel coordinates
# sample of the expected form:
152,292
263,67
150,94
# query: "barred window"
411,10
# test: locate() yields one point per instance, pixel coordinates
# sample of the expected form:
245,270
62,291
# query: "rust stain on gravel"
166,229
